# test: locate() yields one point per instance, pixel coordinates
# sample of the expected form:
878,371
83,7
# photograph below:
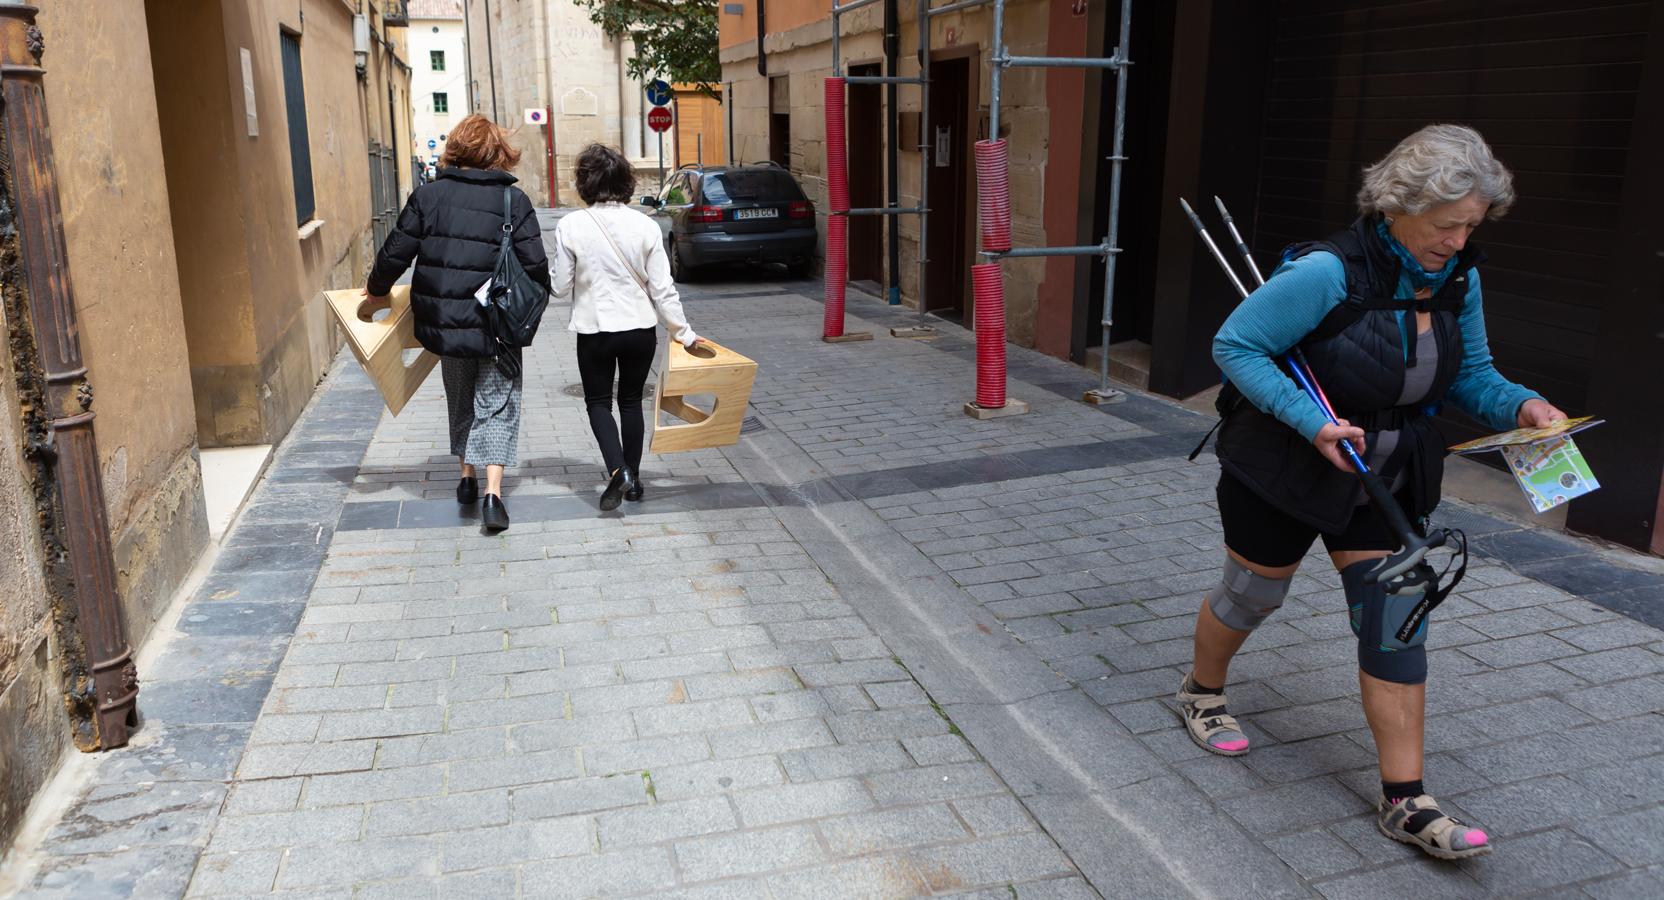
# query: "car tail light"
801,209
706,214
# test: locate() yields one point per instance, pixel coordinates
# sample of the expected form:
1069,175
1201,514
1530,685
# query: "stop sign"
659,119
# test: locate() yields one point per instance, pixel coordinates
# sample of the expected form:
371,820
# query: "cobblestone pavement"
876,649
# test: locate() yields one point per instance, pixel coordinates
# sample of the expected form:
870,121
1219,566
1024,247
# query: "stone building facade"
192,261
517,50
778,104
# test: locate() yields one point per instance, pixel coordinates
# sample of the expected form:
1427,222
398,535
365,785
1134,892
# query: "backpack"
515,301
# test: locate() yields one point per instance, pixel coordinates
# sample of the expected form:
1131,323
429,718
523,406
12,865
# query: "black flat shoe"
493,513
614,494
468,491
632,485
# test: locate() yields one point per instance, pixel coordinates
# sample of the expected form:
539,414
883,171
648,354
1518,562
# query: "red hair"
478,143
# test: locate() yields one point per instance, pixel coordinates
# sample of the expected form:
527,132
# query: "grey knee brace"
1376,617
1244,598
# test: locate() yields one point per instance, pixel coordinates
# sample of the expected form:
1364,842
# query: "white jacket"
605,294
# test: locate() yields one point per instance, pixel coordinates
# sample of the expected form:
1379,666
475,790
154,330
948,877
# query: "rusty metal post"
100,682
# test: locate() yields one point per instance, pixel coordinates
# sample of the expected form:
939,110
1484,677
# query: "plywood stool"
707,369
379,345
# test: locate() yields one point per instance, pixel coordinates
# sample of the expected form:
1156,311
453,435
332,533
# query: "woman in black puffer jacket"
451,228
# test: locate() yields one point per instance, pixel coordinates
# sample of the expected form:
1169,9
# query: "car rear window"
750,186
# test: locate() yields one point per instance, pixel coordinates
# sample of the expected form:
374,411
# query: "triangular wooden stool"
379,345
709,368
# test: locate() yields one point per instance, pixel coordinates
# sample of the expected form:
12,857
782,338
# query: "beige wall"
122,265
804,55
257,341
33,728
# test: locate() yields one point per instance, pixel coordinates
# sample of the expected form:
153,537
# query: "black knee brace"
1376,616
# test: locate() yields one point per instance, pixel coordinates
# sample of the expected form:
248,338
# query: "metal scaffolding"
922,80
1110,248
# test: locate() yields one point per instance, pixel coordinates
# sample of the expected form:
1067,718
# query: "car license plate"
756,214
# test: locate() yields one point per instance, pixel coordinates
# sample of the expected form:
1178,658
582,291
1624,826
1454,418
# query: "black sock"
1398,790
1192,686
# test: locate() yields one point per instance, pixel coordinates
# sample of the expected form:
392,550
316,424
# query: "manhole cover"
577,390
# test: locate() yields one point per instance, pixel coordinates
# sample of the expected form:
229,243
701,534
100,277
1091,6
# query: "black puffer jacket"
451,228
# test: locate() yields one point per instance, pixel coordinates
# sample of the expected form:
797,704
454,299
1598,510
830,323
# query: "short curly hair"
1436,165
604,176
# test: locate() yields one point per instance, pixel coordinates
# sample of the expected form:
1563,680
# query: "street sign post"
660,120
535,116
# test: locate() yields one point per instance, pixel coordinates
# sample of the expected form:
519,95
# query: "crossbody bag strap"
640,282
508,212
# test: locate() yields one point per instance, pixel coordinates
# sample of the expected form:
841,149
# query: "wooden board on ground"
711,369
379,344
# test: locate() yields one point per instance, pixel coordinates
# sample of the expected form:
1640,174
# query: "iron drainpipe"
892,127
491,64
549,107
762,32
101,684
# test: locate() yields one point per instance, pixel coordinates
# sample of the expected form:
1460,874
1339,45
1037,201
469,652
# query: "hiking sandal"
1419,821
1210,726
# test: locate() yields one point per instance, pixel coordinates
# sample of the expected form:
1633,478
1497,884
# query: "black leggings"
630,355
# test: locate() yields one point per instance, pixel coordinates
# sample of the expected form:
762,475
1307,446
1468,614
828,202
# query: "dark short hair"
605,175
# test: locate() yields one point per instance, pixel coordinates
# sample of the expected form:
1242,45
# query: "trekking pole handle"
1218,256
1415,546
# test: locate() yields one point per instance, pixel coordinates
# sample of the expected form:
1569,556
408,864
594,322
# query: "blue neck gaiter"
1419,277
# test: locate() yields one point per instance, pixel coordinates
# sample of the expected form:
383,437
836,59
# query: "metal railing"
395,13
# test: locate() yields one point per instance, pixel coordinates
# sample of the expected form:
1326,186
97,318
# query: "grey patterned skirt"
485,412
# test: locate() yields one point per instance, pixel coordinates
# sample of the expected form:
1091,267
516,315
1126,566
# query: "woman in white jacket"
610,263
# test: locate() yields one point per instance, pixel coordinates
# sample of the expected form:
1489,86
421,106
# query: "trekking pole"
1414,547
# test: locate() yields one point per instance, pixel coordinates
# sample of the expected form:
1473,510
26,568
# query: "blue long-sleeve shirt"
1290,305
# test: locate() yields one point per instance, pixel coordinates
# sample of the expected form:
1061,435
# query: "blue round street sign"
658,92
432,143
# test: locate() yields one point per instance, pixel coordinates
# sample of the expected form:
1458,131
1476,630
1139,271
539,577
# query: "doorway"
951,216
780,121
1141,185
864,124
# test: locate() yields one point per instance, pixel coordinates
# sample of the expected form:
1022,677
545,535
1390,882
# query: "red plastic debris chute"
989,290
993,194
837,197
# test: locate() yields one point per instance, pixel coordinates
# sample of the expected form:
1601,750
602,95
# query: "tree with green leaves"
675,39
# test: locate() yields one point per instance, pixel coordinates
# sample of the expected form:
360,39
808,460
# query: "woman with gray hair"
1388,314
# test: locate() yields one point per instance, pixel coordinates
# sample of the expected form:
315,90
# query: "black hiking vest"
1359,357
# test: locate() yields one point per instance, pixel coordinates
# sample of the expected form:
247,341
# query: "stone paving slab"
875,649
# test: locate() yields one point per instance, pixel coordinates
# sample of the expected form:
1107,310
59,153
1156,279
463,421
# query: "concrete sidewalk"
876,649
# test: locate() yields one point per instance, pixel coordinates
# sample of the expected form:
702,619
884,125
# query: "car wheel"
679,271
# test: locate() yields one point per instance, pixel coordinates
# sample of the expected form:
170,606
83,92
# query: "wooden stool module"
379,345
709,368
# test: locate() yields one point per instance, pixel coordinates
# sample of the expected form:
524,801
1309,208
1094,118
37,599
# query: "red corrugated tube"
993,194
837,272
989,291
837,197
837,152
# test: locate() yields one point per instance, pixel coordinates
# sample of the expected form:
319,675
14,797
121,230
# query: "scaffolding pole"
1110,249
924,14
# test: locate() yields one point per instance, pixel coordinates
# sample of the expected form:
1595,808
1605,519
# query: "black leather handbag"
515,303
